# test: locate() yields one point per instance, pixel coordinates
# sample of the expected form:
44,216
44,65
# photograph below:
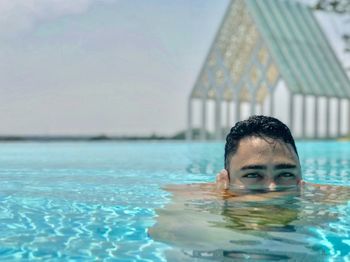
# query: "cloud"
21,15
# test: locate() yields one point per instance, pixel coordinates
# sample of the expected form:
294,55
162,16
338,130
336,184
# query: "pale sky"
90,67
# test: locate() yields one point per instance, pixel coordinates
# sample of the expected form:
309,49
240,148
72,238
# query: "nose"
272,185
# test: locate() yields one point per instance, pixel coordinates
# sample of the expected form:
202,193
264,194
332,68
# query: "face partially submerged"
264,163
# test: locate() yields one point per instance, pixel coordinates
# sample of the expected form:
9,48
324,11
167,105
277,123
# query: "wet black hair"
259,126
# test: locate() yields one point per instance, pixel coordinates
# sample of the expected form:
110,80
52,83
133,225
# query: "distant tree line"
340,7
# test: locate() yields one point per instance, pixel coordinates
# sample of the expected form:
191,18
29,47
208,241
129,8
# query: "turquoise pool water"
95,201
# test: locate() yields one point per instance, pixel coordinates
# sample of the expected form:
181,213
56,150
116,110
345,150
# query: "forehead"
262,151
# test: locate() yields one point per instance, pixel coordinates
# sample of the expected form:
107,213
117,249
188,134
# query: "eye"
252,176
286,175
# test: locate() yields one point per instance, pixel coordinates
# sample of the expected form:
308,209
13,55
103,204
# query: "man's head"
260,152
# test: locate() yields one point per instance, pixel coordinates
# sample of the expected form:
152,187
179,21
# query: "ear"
222,179
301,182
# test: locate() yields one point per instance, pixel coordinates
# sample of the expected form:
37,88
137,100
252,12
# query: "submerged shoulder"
190,190
189,187
326,193
326,187
198,191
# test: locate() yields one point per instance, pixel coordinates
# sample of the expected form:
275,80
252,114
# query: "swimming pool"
96,200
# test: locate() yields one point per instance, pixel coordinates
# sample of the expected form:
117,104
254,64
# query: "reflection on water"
310,223
235,255
95,202
325,162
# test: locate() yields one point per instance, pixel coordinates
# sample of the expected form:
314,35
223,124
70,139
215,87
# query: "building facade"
259,45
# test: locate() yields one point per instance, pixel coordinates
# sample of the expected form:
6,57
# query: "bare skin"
258,164
261,163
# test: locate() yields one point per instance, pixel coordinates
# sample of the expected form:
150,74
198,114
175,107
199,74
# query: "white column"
228,115
348,129
258,109
303,116
237,109
291,113
272,104
253,105
218,126
339,111
265,108
189,135
316,133
327,117
203,132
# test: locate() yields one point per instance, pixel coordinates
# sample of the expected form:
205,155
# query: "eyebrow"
263,167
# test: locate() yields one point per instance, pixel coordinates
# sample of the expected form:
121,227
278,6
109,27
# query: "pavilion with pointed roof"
259,44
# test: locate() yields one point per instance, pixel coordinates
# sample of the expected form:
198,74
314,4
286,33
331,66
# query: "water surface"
89,201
